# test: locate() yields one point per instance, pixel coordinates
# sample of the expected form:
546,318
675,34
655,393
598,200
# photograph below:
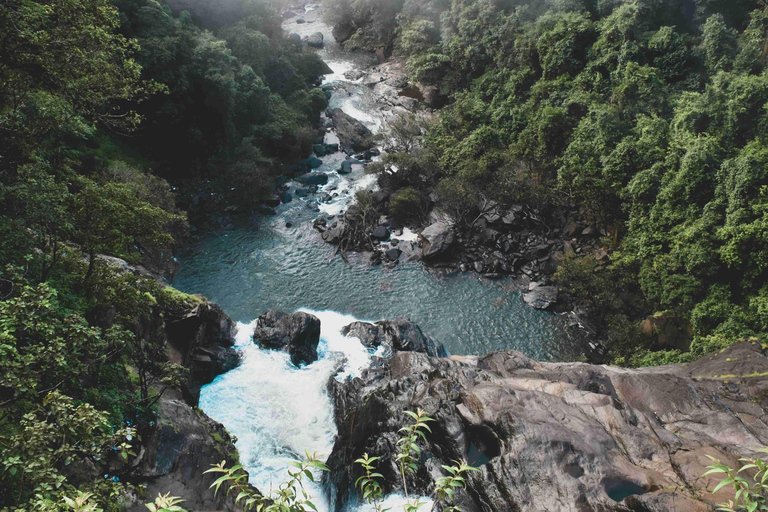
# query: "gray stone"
393,253
548,437
380,233
312,178
297,333
436,239
541,297
315,40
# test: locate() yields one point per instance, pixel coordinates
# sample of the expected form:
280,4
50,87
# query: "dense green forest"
648,117
102,104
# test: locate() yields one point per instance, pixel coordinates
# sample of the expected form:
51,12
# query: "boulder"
541,297
334,232
314,162
343,32
305,190
550,437
346,167
201,337
295,38
297,333
436,239
315,40
312,178
300,21
380,233
353,135
393,253
398,335
286,197
319,149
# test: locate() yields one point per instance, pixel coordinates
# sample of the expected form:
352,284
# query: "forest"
647,117
109,111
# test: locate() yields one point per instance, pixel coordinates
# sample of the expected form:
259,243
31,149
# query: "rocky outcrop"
184,443
201,337
297,333
396,335
342,32
558,436
540,297
436,239
353,135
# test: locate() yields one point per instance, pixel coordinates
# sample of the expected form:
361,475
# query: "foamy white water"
278,411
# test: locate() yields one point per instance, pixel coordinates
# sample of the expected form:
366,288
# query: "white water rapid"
277,411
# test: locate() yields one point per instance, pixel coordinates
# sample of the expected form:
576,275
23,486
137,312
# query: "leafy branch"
290,496
408,444
749,497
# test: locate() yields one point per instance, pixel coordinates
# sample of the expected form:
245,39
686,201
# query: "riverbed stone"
541,297
315,40
346,167
436,239
296,333
396,335
380,233
334,233
353,135
312,178
393,253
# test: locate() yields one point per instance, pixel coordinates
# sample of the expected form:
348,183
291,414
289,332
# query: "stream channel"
277,411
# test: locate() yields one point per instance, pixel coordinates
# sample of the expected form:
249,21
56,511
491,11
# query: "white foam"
278,411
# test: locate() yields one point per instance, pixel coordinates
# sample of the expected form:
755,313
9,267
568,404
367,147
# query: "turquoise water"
257,264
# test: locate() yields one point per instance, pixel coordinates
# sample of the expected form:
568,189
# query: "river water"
279,262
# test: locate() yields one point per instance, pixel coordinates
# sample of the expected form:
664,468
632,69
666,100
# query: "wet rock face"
201,338
437,239
184,443
297,333
353,135
396,336
557,436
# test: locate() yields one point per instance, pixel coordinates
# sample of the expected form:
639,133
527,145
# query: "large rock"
342,32
335,232
201,337
353,135
297,333
396,335
436,239
182,444
315,40
312,178
566,437
541,297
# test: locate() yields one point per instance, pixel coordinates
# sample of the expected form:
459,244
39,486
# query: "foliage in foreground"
748,496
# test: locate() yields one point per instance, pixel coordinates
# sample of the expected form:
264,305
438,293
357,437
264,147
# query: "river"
279,262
